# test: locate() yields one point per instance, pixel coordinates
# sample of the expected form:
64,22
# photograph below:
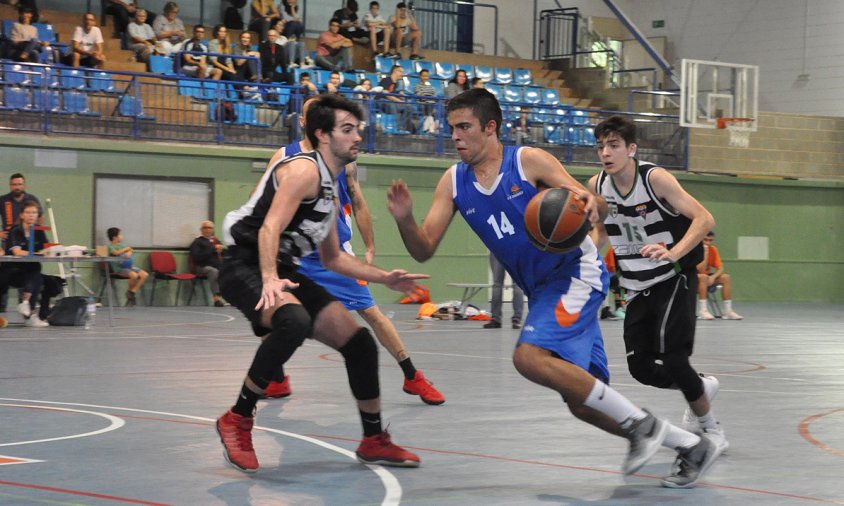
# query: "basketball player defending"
289,214
560,345
656,229
354,295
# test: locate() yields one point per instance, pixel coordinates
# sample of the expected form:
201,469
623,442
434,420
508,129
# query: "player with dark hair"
655,228
291,213
560,345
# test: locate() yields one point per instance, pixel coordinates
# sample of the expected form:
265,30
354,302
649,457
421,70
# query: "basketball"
556,221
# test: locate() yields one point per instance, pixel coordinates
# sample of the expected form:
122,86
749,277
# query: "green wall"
803,220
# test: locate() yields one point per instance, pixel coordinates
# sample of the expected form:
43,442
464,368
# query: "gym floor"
124,415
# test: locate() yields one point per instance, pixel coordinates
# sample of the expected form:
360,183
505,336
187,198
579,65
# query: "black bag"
68,311
232,19
226,112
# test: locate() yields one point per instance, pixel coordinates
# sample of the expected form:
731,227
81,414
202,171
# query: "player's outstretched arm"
360,209
422,242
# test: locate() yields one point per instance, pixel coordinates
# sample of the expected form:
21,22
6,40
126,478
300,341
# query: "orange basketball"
556,221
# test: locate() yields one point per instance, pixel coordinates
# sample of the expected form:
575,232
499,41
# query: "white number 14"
505,228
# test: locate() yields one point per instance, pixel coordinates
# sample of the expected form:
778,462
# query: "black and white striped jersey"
639,218
309,226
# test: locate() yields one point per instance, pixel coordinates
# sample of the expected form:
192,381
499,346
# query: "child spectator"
137,276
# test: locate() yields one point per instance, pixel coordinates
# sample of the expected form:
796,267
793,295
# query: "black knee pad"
291,326
685,377
647,372
361,355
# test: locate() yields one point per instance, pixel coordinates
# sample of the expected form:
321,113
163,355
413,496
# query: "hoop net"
739,130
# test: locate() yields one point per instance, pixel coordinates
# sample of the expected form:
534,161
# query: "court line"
803,429
115,424
392,487
81,493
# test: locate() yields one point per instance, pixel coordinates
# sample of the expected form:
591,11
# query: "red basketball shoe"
420,386
236,435
378,449
277,390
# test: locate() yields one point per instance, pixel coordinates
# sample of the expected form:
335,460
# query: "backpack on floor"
69,311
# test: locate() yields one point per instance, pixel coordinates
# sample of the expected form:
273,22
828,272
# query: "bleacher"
124,99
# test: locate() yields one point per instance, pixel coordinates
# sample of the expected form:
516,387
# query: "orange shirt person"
711,273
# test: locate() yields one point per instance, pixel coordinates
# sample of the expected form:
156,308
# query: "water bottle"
90,314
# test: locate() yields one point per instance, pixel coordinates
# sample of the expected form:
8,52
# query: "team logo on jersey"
515,191
613,210
642,210
469,211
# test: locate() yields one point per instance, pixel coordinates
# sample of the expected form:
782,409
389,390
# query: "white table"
72,261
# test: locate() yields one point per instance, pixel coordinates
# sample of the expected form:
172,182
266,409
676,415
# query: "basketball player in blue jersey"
291,213
353,294
656,228
560,345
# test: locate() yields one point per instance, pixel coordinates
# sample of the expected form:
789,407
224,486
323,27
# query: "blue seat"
407,65
46,33
211,90
14,74
190,88
133,107
321,76
587,137
572,135
46,100
503,75
495,89
72,79
246,115
161,65
484,72
101,81
550,96
579,117
444,70
532,95
383,64
282,96
522,77
389,123
77,103
439,85
512,94
420,65
553,134
7,27
16,99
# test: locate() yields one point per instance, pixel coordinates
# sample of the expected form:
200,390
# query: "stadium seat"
383,64
550,96
522,77
46,100
161,65
484,72
512,94
503,75
532,95
553,135
77,103
495,90
190,88
72,79
133,107
444,70
14,74
389,123
469,69
420,65
101,81
587,137
16,99
246,115
407,65
579,117
214,90
46,33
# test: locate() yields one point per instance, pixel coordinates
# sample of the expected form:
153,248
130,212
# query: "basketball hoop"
739,130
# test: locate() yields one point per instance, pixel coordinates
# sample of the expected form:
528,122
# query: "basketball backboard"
710,90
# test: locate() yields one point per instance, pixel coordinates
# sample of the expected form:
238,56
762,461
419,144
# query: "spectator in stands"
273,60
405,31
137,276
28,4
246,68
380,32
220,44
349,24
206,255
364,85
141,37
710,273
306,86
264,15
169,29
458,85
11,205
294,26
335,80
87,40
294,49
197,65
393,103
24,38
424,88
522,126
121,11
477,82
29,273
333,48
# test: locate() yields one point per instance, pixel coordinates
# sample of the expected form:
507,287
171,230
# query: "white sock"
678,438
701,305
611,403
708,421
728,306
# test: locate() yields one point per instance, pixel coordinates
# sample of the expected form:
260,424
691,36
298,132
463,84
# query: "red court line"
79,492
803,429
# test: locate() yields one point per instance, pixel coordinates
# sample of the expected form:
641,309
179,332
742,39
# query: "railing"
658,98
442,22
557,33
71,101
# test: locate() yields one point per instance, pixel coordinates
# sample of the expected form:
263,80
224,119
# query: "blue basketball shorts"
563,319
353,294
